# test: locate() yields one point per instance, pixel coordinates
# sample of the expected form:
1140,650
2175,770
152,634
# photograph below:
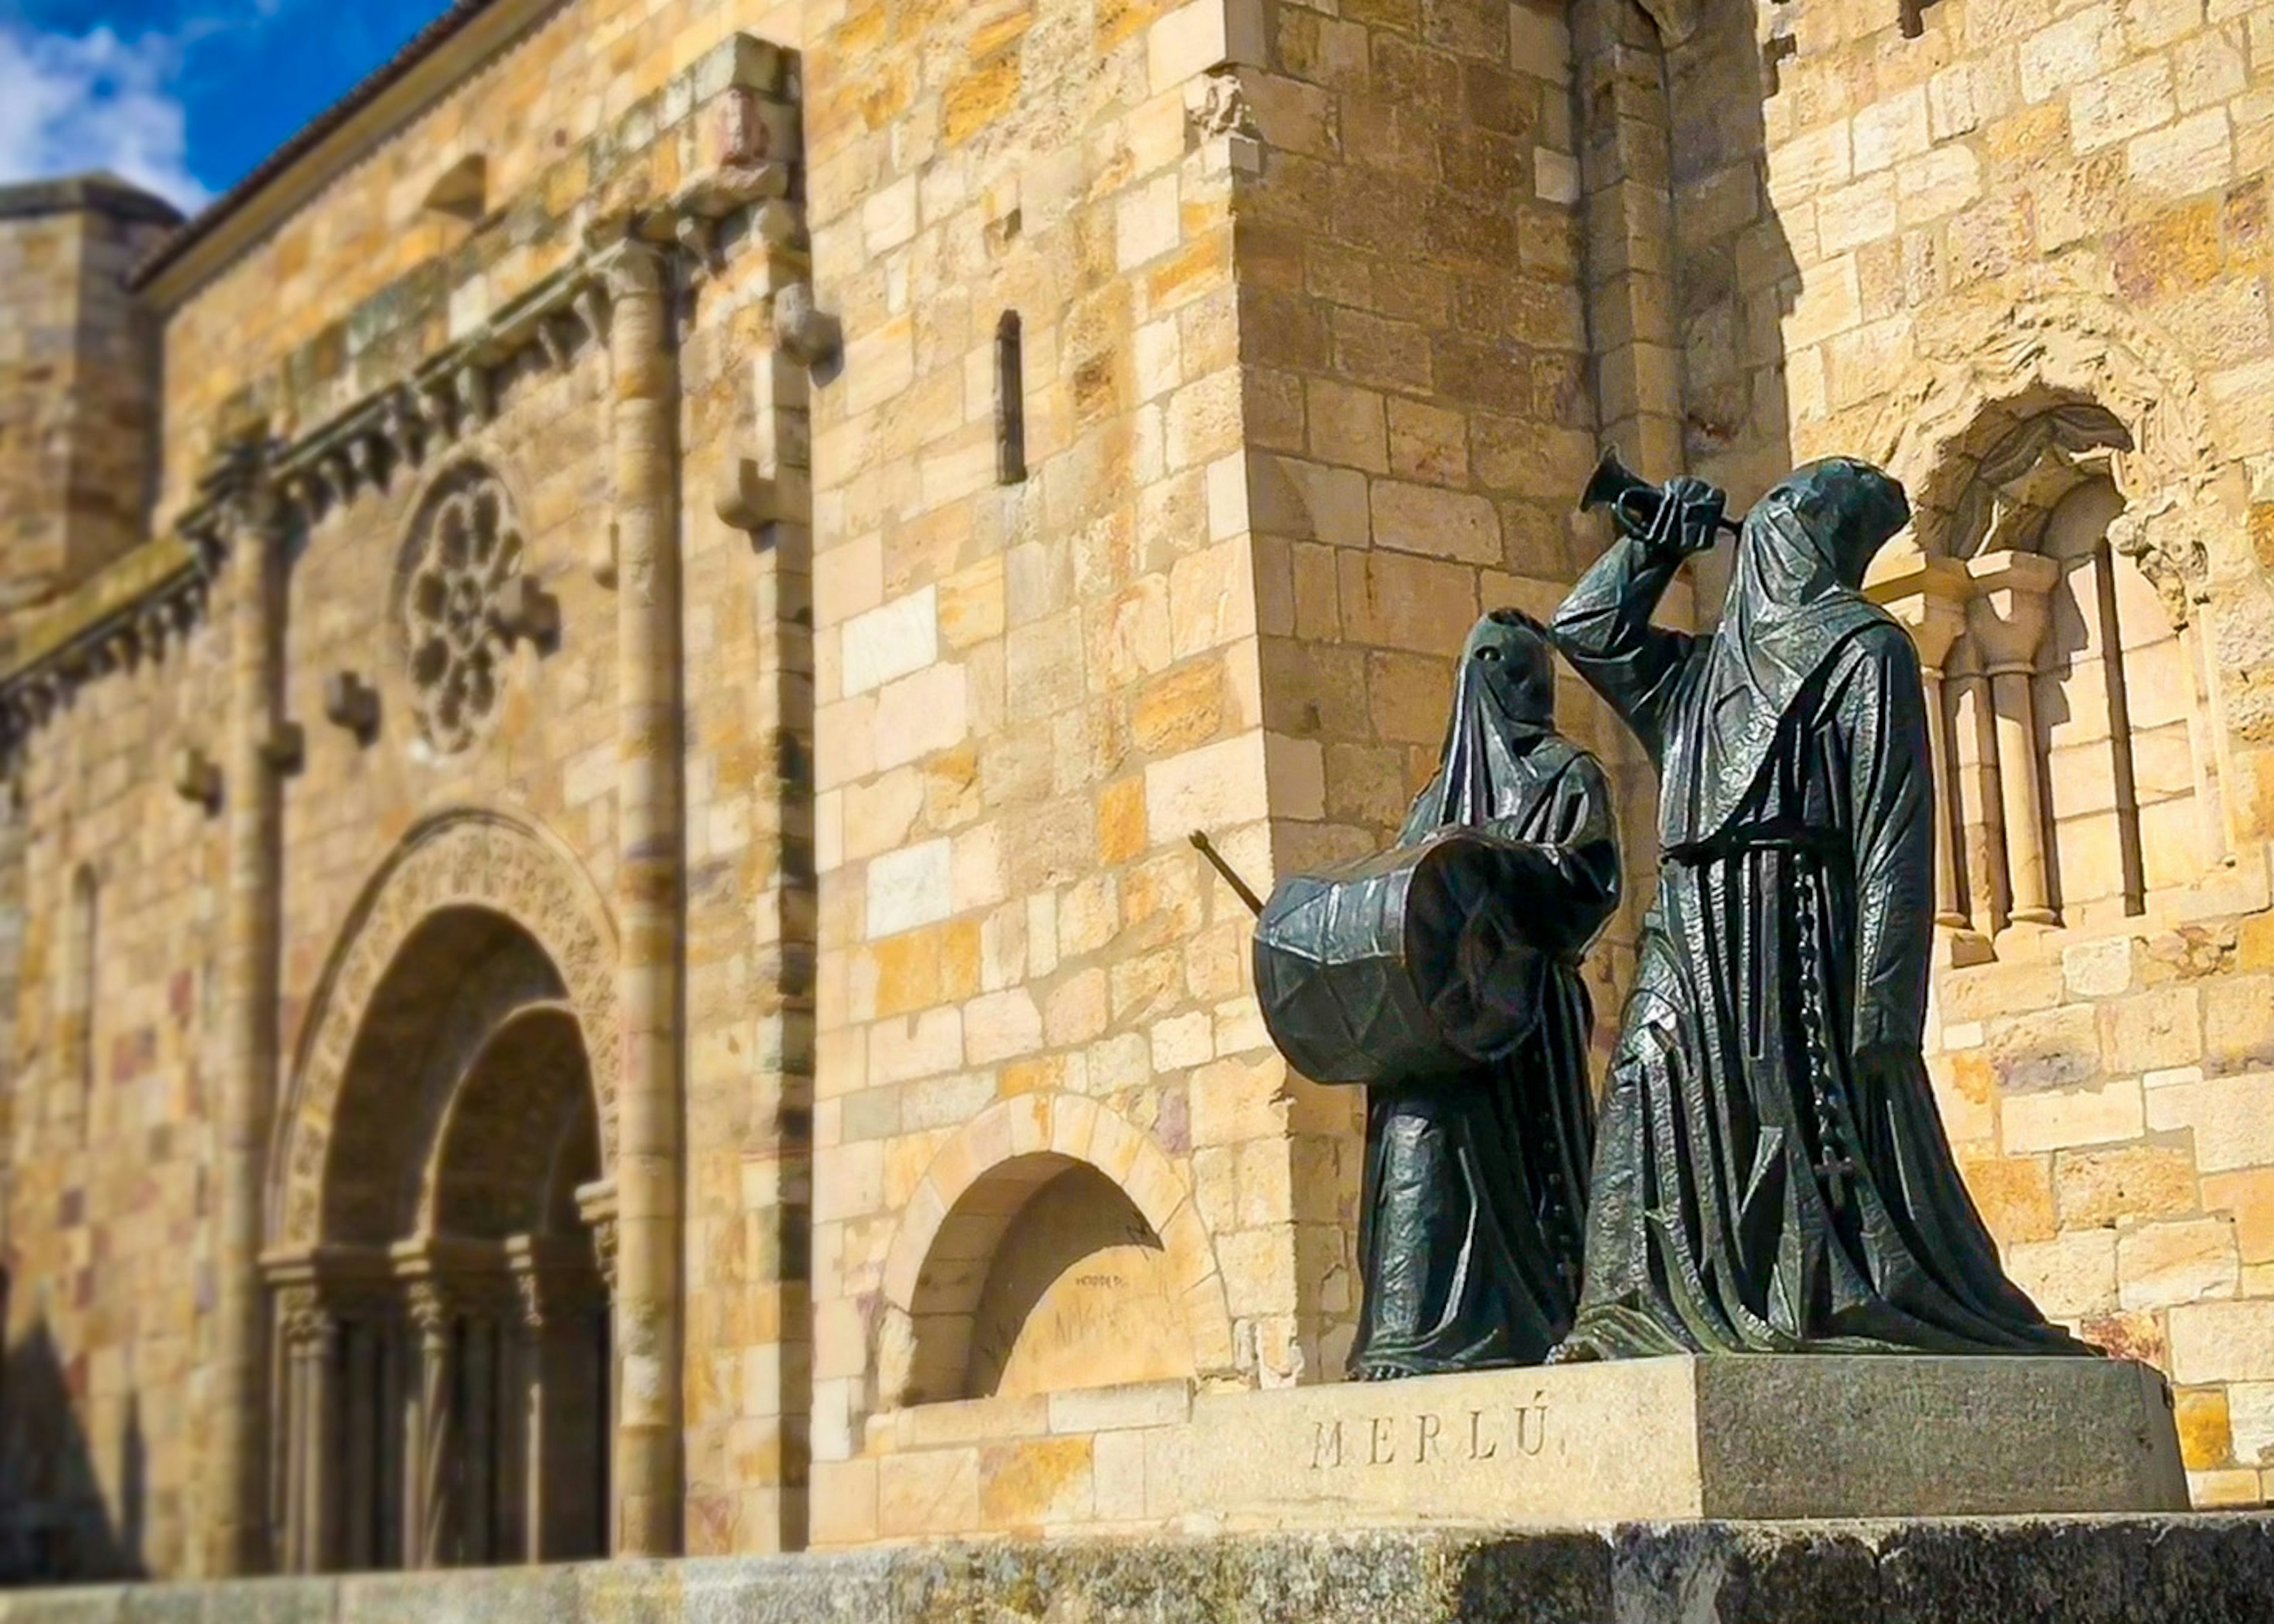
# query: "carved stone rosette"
465,550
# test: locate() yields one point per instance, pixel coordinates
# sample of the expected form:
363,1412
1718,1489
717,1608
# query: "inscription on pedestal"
1423,1436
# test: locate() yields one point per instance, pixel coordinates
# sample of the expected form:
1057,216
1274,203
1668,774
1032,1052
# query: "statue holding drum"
1443,976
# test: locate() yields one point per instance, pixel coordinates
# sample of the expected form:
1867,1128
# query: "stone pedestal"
1672,1439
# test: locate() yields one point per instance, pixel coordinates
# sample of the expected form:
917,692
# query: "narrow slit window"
1009,402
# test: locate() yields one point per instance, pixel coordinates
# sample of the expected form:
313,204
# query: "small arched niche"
1045,1277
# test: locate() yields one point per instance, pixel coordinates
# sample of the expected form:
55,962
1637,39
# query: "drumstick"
1216,858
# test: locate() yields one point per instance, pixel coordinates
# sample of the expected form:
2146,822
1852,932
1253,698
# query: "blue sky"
182,96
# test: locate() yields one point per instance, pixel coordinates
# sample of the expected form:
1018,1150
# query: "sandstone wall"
1414,342
77,381
555,117
110,1093
110,1193
1941,231
1028,692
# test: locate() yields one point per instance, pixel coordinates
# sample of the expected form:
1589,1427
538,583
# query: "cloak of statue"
1772,1174
1452,963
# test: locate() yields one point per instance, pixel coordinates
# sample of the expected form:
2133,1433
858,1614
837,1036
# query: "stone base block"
1752,1438
2188,1569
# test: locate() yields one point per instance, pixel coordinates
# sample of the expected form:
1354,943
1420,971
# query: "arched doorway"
443,1394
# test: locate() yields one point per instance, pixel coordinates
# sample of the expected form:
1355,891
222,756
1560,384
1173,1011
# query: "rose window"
463,557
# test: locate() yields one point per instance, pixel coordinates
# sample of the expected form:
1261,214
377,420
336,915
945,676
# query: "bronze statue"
1443,975
1771,1173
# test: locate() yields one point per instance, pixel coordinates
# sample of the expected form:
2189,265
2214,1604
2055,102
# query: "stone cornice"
94,193
434,63
160,590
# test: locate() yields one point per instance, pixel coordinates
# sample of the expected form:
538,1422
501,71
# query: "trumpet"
1633,500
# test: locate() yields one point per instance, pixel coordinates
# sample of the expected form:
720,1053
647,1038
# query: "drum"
1409,965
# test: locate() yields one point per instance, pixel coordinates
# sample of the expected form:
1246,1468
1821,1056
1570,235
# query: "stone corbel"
404,429
438,406
554,341
802,328
195,777
470,385
699,237
364,461
353,703
590,303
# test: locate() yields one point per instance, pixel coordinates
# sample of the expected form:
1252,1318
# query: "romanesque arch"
473,861
1981,373
1009,1155
2077,546
438,1253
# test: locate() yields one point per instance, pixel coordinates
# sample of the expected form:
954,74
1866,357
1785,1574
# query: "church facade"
608,666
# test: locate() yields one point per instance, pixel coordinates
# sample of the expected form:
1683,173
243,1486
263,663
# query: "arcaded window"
2068,766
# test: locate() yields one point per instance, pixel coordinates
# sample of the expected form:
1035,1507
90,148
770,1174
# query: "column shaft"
361,1468
2023,795
1939,797
648,888
429,1530
236,1536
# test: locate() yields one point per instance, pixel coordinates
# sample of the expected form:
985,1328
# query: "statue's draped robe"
1772,1173
1475,1192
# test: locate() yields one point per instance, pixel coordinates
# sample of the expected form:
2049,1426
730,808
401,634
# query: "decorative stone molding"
476,859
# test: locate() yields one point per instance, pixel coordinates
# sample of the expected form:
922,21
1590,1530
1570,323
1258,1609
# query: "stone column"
236,1539
649,1095
430,1435
362,1466
479,1353
2007,616
312,1341
1931,602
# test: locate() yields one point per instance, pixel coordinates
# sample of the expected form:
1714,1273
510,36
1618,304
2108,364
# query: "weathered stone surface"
1748,1438
2201,1569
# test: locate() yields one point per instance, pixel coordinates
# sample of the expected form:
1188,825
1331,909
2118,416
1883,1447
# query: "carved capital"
2010,608
432,1307
2166,550
604,1250
632,269
1931,602
305,1319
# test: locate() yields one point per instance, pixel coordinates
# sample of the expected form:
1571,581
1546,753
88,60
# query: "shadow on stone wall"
55,1524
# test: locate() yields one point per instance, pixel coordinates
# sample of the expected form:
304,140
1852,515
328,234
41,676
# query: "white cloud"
74,102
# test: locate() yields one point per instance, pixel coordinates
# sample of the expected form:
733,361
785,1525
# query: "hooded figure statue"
1771,1173
1447,969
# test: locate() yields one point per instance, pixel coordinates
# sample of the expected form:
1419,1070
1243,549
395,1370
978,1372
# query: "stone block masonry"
2079,1570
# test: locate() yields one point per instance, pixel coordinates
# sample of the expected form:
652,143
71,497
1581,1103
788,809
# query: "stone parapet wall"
2171,1570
